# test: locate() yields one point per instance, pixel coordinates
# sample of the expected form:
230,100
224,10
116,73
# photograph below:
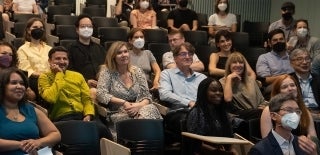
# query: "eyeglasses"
301,59
184,54
291,110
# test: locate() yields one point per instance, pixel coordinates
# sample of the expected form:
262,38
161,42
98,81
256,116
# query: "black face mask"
37,33
287,16
279,47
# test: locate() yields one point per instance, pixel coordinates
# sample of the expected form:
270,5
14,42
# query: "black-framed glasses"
291,110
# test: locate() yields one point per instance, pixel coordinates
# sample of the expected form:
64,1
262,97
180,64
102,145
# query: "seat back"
158,49
240,41
103,22
69,3
252,55
64,19
254,130
162,17
22,17
17,42
94,11
112,34
57,10
18,29
99,3
258,32
203,53
147,138
66,32
196,37
238,17
108,147
202,21
155,36
78,138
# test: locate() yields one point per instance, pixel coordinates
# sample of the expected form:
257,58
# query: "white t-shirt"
24,6
227,21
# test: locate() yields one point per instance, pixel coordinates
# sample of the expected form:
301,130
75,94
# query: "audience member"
123,10
303,39
33,54
24,128
6,9
287,85
85,55
178,86
143,59
176,38
273,64
67,92
209,117
123,88
218,60
8,58
182,18
316,65
25,6
143,16
221,20
241,91
285,116
308,83
286,23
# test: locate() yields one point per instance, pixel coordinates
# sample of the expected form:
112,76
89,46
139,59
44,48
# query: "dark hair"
133,31
277,101
27,36
183,3
301,20
274,32
224,33
288,5
81,16
216,9
5,79
57,49
187,45
14,53
220,109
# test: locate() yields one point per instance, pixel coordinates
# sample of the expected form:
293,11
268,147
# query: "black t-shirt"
181,16
125,15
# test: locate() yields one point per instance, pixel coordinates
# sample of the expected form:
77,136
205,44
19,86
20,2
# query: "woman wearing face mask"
33,54
209,117
302,39
287,85
144,58
221,19
143,16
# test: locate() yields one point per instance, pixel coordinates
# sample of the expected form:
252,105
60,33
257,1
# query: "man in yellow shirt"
66,91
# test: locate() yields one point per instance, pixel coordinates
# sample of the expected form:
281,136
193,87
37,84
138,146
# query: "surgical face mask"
302,32
138,43
222,6
144,4
279,47
37,33
86,31
5,60
290,120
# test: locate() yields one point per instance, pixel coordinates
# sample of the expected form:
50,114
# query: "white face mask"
290,120
86,31
222,6
138,43
144,4
302,32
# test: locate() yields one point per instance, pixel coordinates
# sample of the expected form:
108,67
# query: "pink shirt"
144,19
